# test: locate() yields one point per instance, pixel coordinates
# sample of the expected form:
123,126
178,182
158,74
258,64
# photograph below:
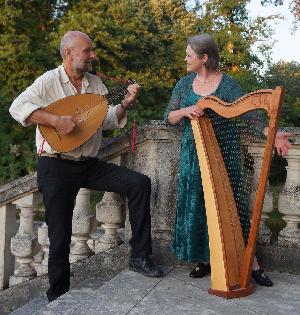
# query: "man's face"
82,55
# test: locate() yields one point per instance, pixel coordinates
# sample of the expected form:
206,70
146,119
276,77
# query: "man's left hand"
131,96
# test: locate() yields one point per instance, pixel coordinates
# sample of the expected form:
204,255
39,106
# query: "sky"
287,47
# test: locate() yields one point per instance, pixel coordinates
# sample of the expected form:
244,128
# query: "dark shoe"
145,266
200,271
261,278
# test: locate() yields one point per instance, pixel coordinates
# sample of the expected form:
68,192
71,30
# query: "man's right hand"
64,124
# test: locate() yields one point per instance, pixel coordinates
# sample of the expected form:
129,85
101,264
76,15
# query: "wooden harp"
231,262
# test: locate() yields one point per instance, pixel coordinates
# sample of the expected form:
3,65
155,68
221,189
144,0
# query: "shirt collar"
65,78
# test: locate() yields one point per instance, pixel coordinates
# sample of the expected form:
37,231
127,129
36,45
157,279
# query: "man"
60,176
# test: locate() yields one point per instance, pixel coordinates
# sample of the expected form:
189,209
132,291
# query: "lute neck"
119,92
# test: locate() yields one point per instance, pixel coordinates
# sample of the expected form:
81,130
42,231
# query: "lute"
89,112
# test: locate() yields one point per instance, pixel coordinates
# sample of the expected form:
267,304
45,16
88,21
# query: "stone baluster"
109,212
7,231
43,239
24,245
83,225
289,200
264,234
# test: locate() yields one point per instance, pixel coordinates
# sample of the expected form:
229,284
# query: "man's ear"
67,52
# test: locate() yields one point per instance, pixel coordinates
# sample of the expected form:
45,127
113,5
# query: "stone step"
131,293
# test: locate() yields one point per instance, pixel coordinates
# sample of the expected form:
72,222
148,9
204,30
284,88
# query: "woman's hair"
205,44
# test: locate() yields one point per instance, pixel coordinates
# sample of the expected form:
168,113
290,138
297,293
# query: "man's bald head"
69,41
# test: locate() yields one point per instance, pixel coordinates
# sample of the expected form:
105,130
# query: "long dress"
190,235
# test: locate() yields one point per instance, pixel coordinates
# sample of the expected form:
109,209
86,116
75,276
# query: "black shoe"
261,278
200,271
145,266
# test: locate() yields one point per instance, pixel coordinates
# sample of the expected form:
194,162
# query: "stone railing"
24,251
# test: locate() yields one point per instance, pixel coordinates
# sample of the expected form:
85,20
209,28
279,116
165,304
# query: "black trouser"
60,180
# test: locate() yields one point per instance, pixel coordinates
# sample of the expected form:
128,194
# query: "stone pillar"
24,245
82,225
109,213
289,200
7,231
158,157
43,239
264,234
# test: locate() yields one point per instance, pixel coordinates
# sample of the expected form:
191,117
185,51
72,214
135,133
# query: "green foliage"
286,74
235,32
144,40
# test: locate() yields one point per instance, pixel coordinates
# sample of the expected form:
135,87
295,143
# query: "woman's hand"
282,143
192,112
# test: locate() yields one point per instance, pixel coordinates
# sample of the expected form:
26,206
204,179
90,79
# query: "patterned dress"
190,236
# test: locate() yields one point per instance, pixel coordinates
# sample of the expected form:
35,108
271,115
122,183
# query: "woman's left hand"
282,143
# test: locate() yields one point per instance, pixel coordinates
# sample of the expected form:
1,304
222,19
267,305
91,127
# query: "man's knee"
141,182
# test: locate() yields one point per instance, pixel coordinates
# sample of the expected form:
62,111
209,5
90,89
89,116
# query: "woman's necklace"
207,81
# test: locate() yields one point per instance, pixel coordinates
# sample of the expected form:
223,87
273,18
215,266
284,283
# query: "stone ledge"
105,266
282,259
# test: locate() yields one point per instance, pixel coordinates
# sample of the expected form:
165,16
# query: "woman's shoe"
200,271
260,278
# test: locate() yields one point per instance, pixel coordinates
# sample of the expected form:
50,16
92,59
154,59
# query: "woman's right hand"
192,112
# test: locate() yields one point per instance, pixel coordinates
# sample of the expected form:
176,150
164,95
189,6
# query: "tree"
236,33
287,74
24,31
143,40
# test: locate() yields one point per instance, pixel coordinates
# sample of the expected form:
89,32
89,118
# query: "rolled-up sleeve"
29,101
111,120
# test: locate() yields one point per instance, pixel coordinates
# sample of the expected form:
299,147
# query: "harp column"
289,200
257,151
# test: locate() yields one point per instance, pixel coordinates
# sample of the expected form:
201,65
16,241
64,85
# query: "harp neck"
262,99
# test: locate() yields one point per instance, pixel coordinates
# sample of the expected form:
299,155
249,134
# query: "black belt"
63,156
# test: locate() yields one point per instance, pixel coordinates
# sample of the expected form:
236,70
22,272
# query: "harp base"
234,292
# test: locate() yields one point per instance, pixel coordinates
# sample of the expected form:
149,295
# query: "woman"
190,239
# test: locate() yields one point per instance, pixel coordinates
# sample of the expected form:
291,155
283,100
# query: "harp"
231,261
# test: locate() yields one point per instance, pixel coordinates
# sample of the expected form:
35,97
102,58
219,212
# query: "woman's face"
194,63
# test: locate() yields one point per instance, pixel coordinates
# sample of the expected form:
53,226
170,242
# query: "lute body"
89,112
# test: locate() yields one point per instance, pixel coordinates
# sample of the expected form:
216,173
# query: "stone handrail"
24,253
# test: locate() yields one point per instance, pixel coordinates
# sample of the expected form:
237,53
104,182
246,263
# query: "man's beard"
84,66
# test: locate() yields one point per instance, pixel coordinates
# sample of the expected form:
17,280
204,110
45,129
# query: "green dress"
190,236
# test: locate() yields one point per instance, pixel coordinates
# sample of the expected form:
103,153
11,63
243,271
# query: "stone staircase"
176,293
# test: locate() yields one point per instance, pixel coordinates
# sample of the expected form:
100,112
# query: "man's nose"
92,54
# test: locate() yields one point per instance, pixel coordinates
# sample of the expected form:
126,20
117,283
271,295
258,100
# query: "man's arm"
62,124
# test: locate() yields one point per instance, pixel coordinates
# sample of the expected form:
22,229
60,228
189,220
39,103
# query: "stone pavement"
131,293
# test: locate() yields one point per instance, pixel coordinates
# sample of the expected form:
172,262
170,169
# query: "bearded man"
60,176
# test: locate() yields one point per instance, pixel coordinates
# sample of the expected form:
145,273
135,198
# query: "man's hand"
131,96
64,124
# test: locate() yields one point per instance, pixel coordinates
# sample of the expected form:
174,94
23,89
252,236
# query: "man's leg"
137,187
59,191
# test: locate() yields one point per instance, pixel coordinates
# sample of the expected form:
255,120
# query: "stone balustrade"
24,251
289,199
